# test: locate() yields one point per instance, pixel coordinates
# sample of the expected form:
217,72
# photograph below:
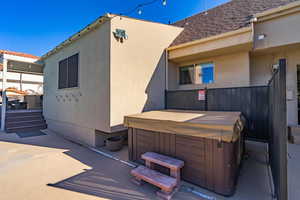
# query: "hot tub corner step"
154,177
163,160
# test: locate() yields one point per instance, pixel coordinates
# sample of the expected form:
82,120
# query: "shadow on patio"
70,171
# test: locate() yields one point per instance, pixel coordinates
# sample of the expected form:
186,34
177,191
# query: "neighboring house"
21,80
118,66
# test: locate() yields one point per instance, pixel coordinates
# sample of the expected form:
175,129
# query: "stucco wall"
232,70
279,31
261,69
261,66
138,67
281,41
79,111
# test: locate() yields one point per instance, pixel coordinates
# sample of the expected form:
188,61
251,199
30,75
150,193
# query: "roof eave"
219,36
76,36
279,11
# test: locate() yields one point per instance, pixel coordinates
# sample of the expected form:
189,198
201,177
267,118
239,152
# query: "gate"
278,130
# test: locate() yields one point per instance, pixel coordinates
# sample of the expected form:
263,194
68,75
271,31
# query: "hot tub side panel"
208,163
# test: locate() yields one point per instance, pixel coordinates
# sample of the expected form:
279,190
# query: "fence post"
278,130
206,100
283,194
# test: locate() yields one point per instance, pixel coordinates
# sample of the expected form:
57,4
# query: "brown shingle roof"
227,17
18,54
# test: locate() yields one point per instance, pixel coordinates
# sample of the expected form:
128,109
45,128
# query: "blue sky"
35,26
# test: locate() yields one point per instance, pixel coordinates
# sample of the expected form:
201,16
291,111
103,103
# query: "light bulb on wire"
164,2
140,11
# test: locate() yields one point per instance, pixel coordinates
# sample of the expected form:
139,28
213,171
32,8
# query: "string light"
164,2
205,8
139,7
140,11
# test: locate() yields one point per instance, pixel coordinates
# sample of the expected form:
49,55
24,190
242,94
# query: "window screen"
68,72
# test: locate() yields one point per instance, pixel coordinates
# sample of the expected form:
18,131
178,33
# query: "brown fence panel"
251,101
278,130
184,99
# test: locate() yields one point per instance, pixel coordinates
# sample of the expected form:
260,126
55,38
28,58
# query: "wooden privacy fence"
278,130
265,110
251,101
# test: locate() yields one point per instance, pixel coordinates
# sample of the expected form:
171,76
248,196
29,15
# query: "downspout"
166,77
252,21
167,69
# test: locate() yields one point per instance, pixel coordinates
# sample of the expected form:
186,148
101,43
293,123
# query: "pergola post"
3,108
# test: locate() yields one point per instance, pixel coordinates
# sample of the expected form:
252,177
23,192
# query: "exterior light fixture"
275,67
120,35
261,36
164,2
140,11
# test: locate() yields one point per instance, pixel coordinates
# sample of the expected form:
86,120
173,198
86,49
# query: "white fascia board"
19,58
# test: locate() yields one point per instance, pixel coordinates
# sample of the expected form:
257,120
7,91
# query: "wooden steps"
167,184
163,160
154,177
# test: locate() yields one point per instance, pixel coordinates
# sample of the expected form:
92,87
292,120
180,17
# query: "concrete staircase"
26,120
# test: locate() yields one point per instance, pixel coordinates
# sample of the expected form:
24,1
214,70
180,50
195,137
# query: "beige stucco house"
118,65
243,42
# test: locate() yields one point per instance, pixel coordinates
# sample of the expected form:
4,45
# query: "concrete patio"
50,167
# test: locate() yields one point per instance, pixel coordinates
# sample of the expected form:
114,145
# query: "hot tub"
210,143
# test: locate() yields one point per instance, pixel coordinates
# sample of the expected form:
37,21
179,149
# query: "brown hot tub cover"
224,126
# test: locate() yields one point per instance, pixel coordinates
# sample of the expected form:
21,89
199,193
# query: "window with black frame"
186,75
197,74
68,72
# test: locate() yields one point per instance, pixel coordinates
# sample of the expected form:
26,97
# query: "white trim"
19,58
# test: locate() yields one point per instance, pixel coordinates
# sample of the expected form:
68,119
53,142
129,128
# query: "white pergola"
12,63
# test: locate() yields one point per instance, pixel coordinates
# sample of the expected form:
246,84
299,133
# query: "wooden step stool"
168,184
